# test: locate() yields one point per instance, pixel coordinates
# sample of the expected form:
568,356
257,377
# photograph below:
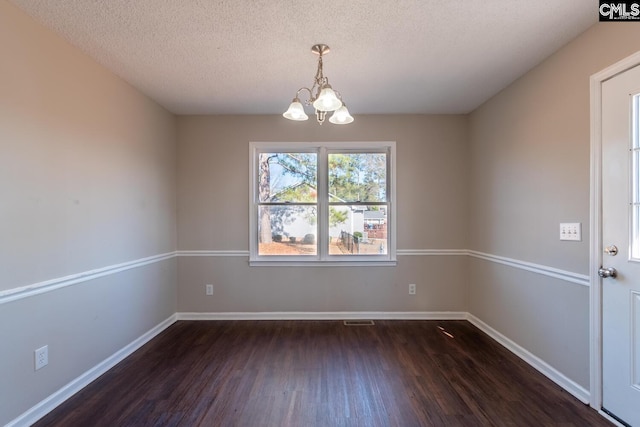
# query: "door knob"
607,272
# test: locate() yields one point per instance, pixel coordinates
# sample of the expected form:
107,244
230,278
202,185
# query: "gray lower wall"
548,317
440,286
82,325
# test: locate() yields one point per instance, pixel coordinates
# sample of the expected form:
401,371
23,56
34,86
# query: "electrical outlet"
41,357
412,289
209,289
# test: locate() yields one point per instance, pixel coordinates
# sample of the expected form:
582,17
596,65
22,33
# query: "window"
329,203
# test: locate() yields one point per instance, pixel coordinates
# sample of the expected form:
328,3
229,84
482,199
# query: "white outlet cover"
41,357
209,289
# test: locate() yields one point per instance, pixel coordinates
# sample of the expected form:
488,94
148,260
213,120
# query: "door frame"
595,226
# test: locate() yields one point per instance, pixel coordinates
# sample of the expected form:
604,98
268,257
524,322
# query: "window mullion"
323,204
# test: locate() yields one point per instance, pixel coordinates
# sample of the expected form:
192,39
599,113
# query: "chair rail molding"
73,279
568,276
17,293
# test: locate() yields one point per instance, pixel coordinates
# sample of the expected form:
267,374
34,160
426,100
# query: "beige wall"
87,178
529,172
86,162
432,203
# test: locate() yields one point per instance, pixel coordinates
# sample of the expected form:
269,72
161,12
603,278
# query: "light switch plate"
571,231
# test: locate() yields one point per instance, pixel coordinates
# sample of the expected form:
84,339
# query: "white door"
621,228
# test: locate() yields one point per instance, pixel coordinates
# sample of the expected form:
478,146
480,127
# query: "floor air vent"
358,323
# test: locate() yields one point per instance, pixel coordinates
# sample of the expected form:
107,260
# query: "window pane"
358,230
635,232
287,230
635,175
357,177
287,177
635,182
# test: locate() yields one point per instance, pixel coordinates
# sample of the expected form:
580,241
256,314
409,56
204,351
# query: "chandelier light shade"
341,116
327,100
296,111
321,96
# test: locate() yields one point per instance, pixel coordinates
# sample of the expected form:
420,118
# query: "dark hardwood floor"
322,373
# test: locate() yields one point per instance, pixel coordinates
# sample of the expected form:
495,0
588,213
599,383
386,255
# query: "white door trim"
595,226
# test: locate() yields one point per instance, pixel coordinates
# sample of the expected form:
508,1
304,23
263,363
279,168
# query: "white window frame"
322,258
634,197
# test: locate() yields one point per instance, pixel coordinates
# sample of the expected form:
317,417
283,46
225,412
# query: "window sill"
316,263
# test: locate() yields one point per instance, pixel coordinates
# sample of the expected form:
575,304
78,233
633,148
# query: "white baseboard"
50,403
547,370
337,315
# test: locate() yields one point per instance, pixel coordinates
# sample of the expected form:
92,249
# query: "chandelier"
324,100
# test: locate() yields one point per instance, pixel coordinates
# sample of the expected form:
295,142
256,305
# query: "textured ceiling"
250,57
